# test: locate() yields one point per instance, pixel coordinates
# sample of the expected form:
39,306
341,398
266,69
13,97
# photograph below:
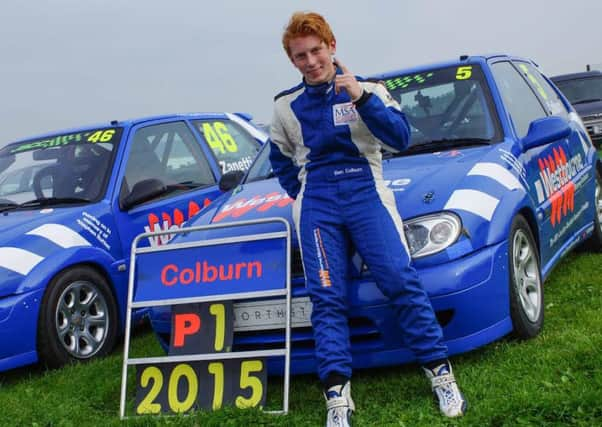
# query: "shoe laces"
339,405
443,383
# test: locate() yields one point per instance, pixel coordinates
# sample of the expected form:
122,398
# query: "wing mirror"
230,180
545,130
143,191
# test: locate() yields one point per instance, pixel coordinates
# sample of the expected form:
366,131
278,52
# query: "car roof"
463,59
575,76
132,122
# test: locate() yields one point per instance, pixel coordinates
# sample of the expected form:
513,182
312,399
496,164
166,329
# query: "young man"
326,136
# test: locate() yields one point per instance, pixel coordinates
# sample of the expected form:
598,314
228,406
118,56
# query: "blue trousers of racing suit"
354,209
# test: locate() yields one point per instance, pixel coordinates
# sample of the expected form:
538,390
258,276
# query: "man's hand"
347,82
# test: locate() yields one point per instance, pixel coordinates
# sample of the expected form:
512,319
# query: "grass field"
555,379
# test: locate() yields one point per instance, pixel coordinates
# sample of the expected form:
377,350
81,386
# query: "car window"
521,103
170,153
582,90
233,147
547,94
63,166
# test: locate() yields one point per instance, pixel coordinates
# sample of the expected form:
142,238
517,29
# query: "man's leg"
377,232
324,246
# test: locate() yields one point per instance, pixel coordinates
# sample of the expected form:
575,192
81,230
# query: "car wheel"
594,243
526,291
78,318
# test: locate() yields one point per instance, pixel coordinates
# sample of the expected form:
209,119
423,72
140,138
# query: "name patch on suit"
345,113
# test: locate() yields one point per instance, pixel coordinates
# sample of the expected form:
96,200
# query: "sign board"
199,279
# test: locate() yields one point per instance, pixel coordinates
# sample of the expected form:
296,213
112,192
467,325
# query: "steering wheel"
51,171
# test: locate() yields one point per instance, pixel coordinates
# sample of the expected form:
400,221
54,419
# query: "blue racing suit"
325,151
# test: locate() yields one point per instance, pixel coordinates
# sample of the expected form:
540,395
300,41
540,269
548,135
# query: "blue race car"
500,181
72,202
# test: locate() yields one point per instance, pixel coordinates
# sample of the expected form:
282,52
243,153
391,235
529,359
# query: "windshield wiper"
446,144
51,201
8,206
587,101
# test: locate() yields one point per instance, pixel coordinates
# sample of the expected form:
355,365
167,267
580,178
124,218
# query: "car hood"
422,184
589,109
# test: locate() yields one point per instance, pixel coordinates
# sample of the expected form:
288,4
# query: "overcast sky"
66,63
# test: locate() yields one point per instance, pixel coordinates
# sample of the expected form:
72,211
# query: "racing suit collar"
322,88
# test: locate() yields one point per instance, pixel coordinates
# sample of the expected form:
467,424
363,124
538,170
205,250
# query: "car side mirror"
143,191
230,180
545,130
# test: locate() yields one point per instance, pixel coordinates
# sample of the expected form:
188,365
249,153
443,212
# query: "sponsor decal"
167,222
96,228
240,165
450,154
261,203
397,182
569,224
203,272
324,272
343,114
515,164
555,184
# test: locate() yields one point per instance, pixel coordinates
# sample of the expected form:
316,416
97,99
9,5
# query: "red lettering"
193,208
261,203
222,275
258,268
185,324
164,271
239,266
178,217
209,270
186,276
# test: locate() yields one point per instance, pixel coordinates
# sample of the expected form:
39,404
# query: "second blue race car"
71,203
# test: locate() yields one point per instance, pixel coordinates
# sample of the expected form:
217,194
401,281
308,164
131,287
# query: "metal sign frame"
286,292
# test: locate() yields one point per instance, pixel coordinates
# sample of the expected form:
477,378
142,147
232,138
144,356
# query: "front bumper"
18,329
470,296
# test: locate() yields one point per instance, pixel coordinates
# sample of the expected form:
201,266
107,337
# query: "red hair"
307,24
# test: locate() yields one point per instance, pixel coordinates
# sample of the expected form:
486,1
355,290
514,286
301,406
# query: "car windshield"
446,107
581,91
60,169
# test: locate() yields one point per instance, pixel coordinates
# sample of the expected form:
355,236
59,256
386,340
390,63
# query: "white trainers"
339,405
451,401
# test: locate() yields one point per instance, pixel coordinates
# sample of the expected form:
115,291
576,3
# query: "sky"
66,63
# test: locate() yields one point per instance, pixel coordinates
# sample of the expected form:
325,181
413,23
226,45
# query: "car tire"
526,287
594,243
78,318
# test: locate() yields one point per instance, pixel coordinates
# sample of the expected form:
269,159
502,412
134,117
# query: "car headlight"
430,234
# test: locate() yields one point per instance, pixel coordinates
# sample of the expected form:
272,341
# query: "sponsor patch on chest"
343,114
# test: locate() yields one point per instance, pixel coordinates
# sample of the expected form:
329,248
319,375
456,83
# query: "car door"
574,201
541,164
164,156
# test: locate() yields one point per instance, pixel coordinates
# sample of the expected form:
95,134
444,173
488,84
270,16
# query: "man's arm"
281,157
384,118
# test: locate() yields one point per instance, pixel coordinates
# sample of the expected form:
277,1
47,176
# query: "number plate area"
270,314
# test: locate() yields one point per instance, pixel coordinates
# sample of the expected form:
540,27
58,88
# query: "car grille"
593,124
